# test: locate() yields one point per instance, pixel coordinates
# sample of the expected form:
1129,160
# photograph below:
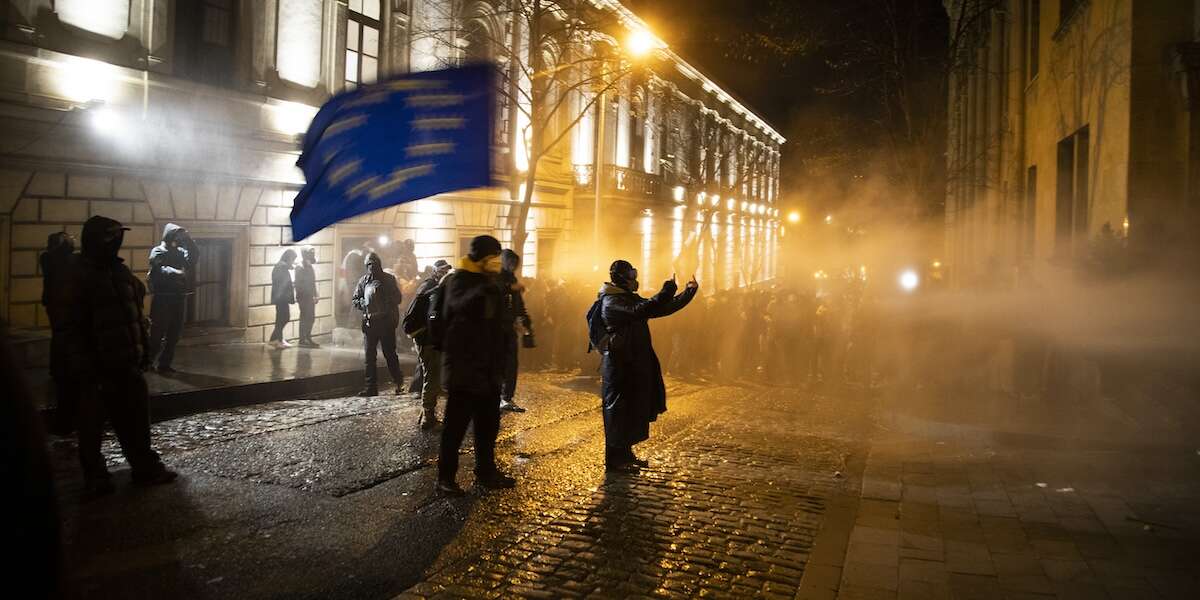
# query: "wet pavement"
753,491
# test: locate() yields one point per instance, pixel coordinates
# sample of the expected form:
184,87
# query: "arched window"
476,42
362,42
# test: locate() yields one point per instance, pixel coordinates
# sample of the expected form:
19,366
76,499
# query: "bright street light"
909,280
794,216
640,43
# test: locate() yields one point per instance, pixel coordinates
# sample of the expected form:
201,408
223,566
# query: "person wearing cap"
467,323
631,377
107,338
306,295
377,295
429,359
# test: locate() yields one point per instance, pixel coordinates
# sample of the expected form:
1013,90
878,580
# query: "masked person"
632,384
171,278
107,340
429,359
378,297
57,263
515,313
283,296
406,263
307,296
467,324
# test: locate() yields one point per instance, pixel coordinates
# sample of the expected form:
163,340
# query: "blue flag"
407,138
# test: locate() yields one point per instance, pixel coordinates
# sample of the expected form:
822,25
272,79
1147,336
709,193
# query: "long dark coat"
473,350
632,388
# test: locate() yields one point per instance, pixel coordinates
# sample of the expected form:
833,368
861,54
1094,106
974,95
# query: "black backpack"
416,319
598,333
435,319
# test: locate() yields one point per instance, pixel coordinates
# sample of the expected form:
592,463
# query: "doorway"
209,305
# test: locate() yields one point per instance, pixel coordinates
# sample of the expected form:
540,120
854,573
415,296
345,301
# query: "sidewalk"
220,375
949,511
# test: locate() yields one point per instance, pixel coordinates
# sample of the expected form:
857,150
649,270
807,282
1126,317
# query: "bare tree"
557,56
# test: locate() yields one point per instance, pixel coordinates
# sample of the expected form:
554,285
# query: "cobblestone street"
753,491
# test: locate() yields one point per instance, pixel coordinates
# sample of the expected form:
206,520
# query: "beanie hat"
482,247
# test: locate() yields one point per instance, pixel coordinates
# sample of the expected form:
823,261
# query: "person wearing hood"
429,359
467,321
632,385
377,295
406,263
515,314
307,295
107,339
283,296
171,278
57,263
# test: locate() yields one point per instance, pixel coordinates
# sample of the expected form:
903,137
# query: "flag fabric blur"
399,140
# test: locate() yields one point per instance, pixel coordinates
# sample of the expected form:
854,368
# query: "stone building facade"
1068,119
189,111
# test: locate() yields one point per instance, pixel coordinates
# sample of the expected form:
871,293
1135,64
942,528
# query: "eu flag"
407,138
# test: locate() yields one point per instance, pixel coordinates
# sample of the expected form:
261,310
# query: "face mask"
492,264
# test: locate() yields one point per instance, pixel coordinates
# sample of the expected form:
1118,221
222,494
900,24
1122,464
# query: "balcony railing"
619,180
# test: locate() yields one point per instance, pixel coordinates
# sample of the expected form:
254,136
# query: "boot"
449,488
495,481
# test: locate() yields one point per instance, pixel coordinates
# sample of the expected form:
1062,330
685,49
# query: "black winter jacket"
107,330
378,298
473,348
632,382
283,291
171,268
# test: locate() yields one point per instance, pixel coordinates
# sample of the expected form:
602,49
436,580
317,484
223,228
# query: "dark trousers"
123,396
461,409
381,334
308,315
167,313
66,386
283,314
508,387
431,375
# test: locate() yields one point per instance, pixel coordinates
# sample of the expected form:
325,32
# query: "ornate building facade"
189,111
1069,120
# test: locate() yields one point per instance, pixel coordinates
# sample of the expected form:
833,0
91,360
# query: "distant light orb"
794,216
909,280
383,240
829,219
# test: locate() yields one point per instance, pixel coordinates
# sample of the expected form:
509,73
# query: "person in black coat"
57,263
632,384
171,279
107,339
515,312
283,295
470,304
377,295
307,295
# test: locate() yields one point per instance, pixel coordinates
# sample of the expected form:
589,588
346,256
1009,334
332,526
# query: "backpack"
435,314
598,333
417,318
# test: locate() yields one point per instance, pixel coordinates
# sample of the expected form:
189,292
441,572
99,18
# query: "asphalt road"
334,499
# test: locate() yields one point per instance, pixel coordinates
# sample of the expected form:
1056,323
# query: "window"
362,42
1029,215
1071,213
109,18
1033,30
204,40
298,41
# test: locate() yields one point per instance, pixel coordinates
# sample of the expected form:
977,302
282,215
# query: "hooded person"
107,342
283,296
515,314
429,359
171,278
466,316
632,385
407,267
377,295
307,295
57,263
